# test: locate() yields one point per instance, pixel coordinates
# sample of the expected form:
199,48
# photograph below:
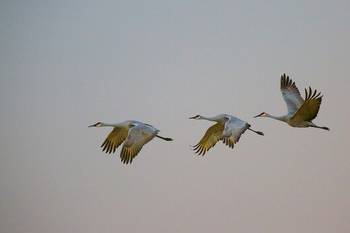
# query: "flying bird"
134,134
300,112
228,129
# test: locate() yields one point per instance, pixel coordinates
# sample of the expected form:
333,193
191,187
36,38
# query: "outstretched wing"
236,128
210,138
308,111
290,94
137,138
114,139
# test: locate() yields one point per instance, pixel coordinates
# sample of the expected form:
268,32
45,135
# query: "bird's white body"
234,126
228,129
300,112
134,134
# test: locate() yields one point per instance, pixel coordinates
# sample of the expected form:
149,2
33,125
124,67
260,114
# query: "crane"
134,134
228,129
300,112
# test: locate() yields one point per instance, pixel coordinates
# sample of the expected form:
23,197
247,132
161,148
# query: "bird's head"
263,114
98,124
196,117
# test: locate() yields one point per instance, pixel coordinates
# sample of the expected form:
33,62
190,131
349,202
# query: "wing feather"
210,138
114,139
236,128
138,136
290,94
229,141
309,109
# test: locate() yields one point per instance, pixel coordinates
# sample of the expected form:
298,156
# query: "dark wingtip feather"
310,92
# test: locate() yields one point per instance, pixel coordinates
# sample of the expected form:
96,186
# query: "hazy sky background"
67,64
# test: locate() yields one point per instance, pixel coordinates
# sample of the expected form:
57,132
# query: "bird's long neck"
107,124
208,118
279,118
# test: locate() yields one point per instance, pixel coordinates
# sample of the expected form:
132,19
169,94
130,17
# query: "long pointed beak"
256,116
94,125
194,117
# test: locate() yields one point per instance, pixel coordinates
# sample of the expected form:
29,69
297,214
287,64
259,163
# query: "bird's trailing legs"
164,138
257,132
318,127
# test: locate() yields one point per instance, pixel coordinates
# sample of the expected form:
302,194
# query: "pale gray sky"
67,64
